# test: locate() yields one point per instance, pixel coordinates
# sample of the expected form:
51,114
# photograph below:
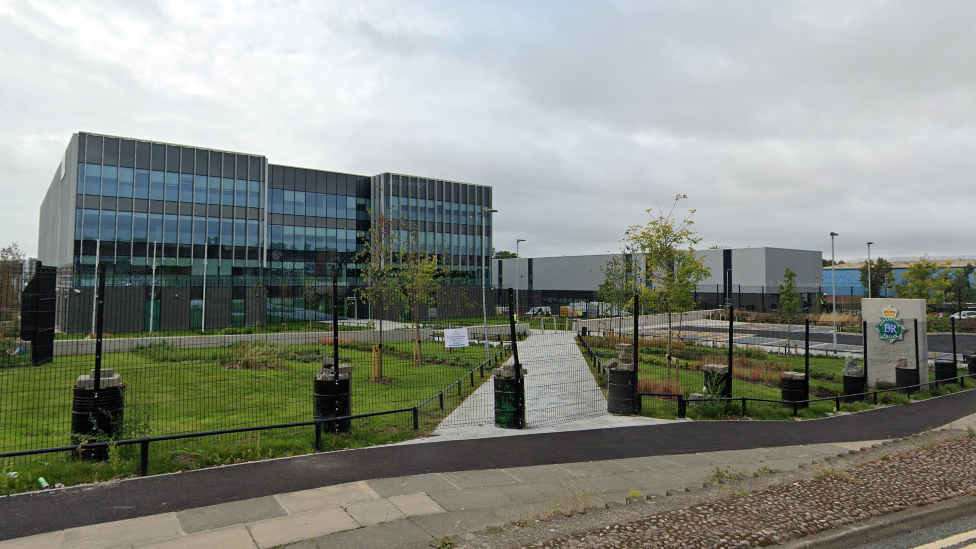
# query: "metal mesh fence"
200,354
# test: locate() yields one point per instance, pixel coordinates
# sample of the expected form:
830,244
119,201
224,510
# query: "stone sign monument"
892,336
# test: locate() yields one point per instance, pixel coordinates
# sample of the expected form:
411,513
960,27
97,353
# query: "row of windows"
415,209
98,180
109,225
314,239
316,204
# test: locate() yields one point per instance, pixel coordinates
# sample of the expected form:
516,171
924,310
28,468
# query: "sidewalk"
413,511
411,495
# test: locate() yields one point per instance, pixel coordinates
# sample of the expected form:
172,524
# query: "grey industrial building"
193,235
747,278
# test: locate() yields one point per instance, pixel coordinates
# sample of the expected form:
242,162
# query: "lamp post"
833,287
869,270
517,261
484,267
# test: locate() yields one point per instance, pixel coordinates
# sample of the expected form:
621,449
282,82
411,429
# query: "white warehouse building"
743,277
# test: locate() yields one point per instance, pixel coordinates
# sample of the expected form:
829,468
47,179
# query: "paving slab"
458,522
370,513
123,533
537,473
400,534
234,537
481,498
415,505
326,497
312,524
596,468
480,479
598,484
433,482
229,514
534,491
52,540
656,480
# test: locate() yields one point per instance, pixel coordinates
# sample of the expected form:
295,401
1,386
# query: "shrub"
883,385
160,352
892,398
256,355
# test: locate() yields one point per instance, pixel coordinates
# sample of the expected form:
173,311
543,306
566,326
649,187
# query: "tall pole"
833,287
484,267
869,270
518,260
98,260
152,292
203,316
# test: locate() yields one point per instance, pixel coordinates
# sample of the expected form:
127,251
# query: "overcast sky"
781,121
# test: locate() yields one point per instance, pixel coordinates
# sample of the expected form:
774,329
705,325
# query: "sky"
781,121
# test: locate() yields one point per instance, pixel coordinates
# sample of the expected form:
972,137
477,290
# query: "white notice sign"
455,337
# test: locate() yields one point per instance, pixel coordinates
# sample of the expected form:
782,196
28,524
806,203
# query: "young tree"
881,270
504,254
11,285
400,273
672,267
962,288
379,273
924,279
615,289
789,302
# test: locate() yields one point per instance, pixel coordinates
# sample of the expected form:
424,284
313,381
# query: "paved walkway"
413,511
560,394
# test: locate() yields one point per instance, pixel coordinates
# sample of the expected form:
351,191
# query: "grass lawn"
170,391
756,376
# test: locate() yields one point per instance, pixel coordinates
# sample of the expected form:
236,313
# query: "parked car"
970,315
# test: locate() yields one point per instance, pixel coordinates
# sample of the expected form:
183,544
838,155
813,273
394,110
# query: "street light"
833,287
869,269
484,267
517,261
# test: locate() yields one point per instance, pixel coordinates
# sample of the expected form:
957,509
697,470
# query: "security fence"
726,363
183,372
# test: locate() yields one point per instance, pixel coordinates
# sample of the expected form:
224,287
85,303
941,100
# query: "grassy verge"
171,390
757,375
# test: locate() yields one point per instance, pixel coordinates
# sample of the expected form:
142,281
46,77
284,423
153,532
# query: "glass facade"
446,218
193,211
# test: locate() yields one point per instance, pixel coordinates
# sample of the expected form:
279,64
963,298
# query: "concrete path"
560,394
413,511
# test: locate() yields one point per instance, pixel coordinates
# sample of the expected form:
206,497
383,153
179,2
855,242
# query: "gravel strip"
771,509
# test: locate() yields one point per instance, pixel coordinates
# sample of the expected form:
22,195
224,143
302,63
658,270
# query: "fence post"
918,363
416,419
952,322
99,333
682,410
517,365
864,344
806,356
143,457
637,400
728,390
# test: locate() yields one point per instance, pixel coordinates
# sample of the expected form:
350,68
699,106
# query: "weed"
824,472
764,470
970,432
635,494
443,542
885,457
720,475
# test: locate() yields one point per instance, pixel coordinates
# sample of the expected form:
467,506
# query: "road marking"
953,541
